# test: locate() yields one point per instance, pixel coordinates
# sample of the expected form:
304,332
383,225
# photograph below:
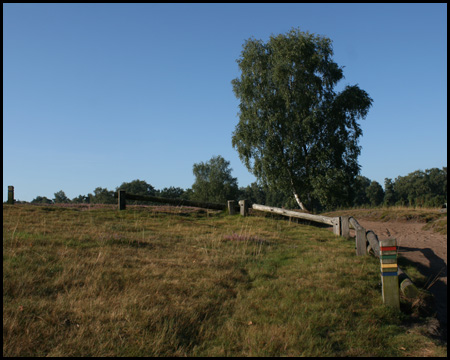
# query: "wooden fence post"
345,229
337,227
361,248
361,240
231,209
11,194
389,273
122,200
244,207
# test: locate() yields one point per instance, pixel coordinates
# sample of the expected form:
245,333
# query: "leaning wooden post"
345,229
122,199
11,195
231,209
360,237
244,207
389,273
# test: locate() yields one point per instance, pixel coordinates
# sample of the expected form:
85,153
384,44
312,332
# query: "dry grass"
159,281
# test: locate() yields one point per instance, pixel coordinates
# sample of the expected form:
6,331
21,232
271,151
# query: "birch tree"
295,132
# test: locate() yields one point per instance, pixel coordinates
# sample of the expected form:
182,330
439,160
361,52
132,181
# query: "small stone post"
11,195
389,273
231,209
122,199
244,207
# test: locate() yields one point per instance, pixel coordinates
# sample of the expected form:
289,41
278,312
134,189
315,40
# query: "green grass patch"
160,281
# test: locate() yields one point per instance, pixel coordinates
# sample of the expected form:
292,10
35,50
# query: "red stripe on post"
388,248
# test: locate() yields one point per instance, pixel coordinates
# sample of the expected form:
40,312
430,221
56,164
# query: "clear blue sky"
101,94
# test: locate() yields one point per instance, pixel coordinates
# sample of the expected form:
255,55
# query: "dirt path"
425,248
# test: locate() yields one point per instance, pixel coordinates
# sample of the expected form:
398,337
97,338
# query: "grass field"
162,281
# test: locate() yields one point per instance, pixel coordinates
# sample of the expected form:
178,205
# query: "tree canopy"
213,181
294,131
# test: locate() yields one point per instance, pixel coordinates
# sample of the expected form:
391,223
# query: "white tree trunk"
299,202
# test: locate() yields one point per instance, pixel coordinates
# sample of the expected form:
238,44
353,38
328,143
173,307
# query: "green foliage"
375,193
41,200
265,195
80,199
389,192
360,190
213,181
61,198
253,193
138,187
102,196
422,188
171,192
295,133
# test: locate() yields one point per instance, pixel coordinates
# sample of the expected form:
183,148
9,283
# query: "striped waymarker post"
389,273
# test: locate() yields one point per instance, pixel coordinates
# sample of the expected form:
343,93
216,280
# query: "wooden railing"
123,196
393,278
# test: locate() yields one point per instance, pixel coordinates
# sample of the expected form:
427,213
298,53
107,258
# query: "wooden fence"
392,277
366,243
123,196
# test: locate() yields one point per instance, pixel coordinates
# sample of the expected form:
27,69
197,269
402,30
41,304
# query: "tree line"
215,184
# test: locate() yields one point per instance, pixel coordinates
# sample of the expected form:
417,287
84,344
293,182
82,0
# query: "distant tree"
170,193
188,194
375,193
295,133
41,200
422,188
80,199
253,193
138,187
103,196
360,191
61,198
389,192
213,181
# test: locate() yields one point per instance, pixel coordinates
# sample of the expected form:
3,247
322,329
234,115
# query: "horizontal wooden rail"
333,221
178,202
317,218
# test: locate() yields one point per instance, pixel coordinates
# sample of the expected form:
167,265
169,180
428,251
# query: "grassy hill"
167,281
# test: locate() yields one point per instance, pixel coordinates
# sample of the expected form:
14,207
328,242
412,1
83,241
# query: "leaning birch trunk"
295,194
299,202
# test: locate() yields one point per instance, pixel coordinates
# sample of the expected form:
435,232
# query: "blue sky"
101,94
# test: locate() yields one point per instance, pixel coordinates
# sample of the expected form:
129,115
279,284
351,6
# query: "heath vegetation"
172,281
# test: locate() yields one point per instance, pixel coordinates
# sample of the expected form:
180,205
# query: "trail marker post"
389,273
